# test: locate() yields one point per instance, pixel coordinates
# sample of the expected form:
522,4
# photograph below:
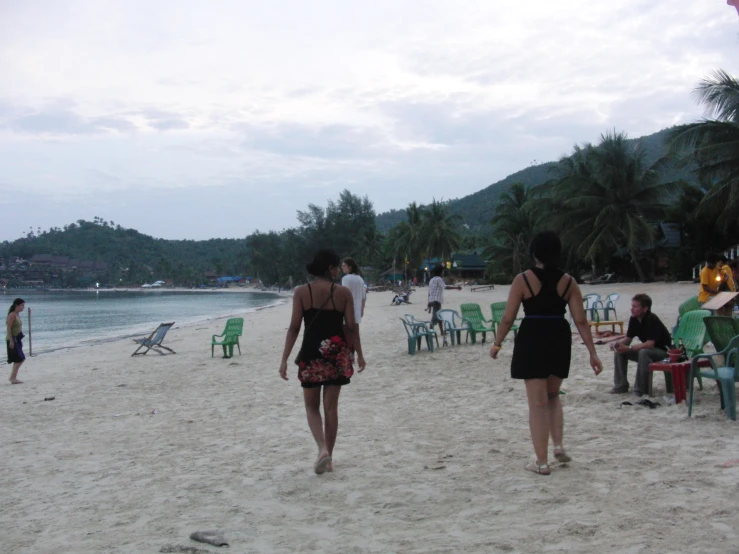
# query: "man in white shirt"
354,282
436,296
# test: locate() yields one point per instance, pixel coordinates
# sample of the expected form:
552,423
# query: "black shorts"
435,307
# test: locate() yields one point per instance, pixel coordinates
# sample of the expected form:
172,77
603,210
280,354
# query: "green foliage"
712,145
131,257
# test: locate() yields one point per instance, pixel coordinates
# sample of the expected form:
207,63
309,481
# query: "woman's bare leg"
14,374
331,415
536,392
556,418
312,397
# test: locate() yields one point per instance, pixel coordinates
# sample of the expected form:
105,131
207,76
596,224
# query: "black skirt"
15,355
542,348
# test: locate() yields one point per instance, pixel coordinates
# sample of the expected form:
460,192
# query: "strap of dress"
528,284
567,288
332,296
310,291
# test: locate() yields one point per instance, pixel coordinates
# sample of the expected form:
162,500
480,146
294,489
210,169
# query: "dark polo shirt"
650,328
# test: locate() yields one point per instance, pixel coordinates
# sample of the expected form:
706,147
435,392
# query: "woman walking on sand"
14,338
324,361
541,353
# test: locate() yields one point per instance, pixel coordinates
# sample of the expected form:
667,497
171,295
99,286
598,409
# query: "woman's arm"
293,330
581,321
509,315
9,324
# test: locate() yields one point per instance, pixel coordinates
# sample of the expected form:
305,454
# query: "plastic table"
679,372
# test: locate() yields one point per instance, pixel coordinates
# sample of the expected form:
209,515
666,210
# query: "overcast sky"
192,119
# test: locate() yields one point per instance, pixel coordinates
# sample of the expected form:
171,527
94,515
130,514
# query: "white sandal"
541,469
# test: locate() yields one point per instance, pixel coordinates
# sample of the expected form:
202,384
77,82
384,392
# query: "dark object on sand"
214,537
179,549
49,398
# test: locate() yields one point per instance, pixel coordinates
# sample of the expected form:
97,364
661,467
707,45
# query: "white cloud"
400,101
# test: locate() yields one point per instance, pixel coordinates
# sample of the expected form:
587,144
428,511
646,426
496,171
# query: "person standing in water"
14,338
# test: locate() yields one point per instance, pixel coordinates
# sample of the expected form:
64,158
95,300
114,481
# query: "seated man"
655,340
710,279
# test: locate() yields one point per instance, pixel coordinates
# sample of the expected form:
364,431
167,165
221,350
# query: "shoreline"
189,323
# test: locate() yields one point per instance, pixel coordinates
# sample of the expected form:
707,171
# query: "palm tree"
714,146
610,198
406,239
441,234
514,226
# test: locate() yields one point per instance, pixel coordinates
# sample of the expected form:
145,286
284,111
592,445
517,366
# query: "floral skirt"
333,366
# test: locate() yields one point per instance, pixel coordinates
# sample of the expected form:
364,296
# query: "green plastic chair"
231,334
726,376
692,332
416,332
497,309
454,324
721,330
427,325
479,324
691,304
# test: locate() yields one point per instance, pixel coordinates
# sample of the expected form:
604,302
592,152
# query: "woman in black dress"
325,359
541,354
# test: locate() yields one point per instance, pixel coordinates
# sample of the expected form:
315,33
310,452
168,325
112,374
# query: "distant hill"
477,209
128,254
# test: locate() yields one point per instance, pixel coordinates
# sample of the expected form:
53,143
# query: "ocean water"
71,319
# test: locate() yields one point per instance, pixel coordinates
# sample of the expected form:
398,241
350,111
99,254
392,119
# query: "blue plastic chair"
607,306
590,304
725,376
454,324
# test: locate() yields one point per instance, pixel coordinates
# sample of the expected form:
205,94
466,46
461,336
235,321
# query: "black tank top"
320,324
547,302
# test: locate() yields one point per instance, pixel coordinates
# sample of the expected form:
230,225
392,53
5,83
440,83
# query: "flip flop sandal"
561,456
541,469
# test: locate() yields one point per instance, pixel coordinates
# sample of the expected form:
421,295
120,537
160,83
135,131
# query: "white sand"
429,456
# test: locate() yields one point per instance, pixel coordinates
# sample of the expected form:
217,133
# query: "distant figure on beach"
436,297
655,340
541,354
354,282
14,338
325,360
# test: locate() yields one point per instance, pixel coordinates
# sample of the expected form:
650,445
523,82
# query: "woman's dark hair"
353,267
16,302
547,248
323,259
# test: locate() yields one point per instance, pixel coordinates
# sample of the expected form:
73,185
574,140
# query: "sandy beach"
134,454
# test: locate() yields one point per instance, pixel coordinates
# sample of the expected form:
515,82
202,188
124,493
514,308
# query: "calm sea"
69,319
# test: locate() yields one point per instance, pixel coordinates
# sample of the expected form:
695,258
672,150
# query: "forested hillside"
477,209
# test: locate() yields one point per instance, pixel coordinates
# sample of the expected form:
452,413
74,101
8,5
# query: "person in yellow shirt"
710,279
727,275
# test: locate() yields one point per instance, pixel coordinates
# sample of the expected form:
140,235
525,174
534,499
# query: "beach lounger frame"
154,341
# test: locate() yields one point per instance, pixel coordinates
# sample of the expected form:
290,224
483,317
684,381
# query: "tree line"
606,200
